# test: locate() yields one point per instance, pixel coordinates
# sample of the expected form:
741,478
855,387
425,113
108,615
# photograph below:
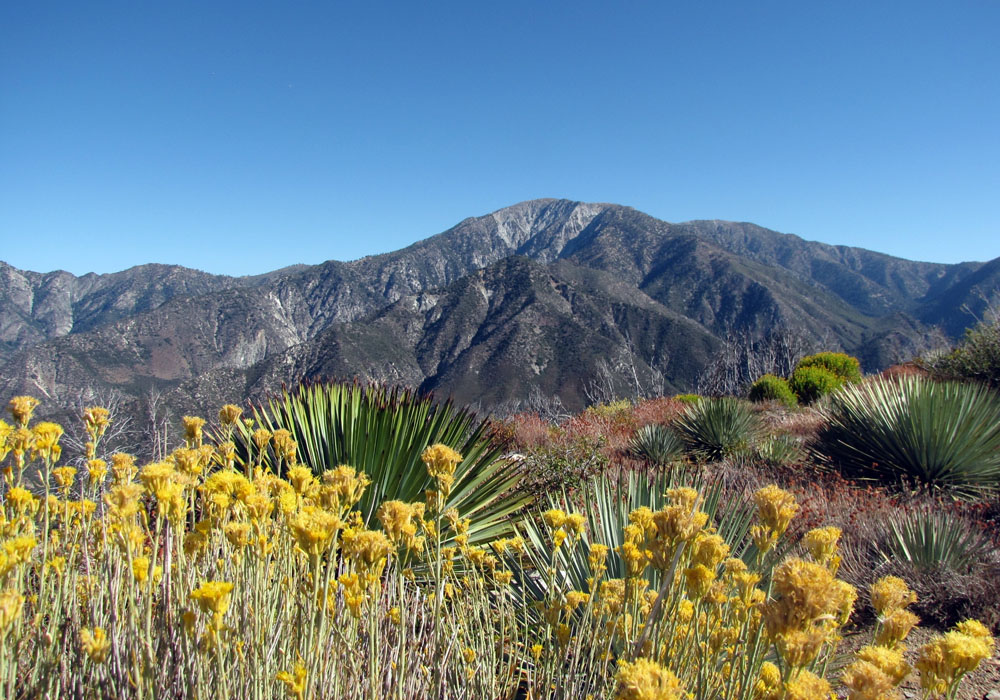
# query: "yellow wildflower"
768,685
122,467
97,469
441,462
301,479
342,488
775,508
313,530
193,430
46,441
807,686
647,680
709,550
260,438
894,627
212,596
21,408
399,520
597,558
64,477
22,501
11,604
698,580
95,644
229,414
156,476
123,500
284,446
238,534
890,593
295,682
95,421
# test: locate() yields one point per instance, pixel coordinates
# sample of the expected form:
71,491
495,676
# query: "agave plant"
656,444
718,428
930,539
940,435
383,432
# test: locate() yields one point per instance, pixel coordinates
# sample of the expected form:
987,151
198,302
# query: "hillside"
527,298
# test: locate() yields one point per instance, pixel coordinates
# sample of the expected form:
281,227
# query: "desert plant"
976,358
840,364
811,383
382,432
656,444
939,435
781,450
719,427
932,539
688,398
772,388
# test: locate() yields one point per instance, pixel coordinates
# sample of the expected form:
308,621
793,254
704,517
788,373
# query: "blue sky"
241,137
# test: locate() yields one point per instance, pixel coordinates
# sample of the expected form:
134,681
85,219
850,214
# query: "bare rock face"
526,299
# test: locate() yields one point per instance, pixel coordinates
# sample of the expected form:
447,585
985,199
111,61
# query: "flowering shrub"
208,575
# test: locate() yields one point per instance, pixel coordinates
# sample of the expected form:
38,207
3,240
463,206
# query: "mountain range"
538,298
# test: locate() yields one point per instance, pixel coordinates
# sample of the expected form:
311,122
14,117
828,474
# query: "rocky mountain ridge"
527,298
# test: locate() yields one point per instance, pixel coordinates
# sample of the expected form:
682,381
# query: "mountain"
540,296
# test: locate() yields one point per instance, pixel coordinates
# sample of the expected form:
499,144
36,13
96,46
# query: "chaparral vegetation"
344,541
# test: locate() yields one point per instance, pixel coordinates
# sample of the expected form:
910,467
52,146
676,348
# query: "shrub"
840,364
939,435
772,388
719,427
656,444
810,383
976,358
688,398
612,410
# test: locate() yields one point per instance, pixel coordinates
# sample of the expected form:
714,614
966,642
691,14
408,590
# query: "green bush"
940,435
656,444
383,432
688,399
839,364
613,410
977,357
810,383
772,388
719,427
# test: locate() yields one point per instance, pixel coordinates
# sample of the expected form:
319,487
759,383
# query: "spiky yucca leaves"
718,428
939,435
656,444
382,432
607,504
931,539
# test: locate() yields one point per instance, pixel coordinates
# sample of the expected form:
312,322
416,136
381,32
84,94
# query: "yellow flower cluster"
277,583
947,658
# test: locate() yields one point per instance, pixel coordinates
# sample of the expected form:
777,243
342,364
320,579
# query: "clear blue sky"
238,137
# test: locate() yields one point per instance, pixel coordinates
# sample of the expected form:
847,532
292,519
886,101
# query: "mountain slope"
532,295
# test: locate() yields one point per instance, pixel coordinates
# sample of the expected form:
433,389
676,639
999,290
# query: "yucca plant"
929,539
383,431
656,444
938,435
607,503
718,428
